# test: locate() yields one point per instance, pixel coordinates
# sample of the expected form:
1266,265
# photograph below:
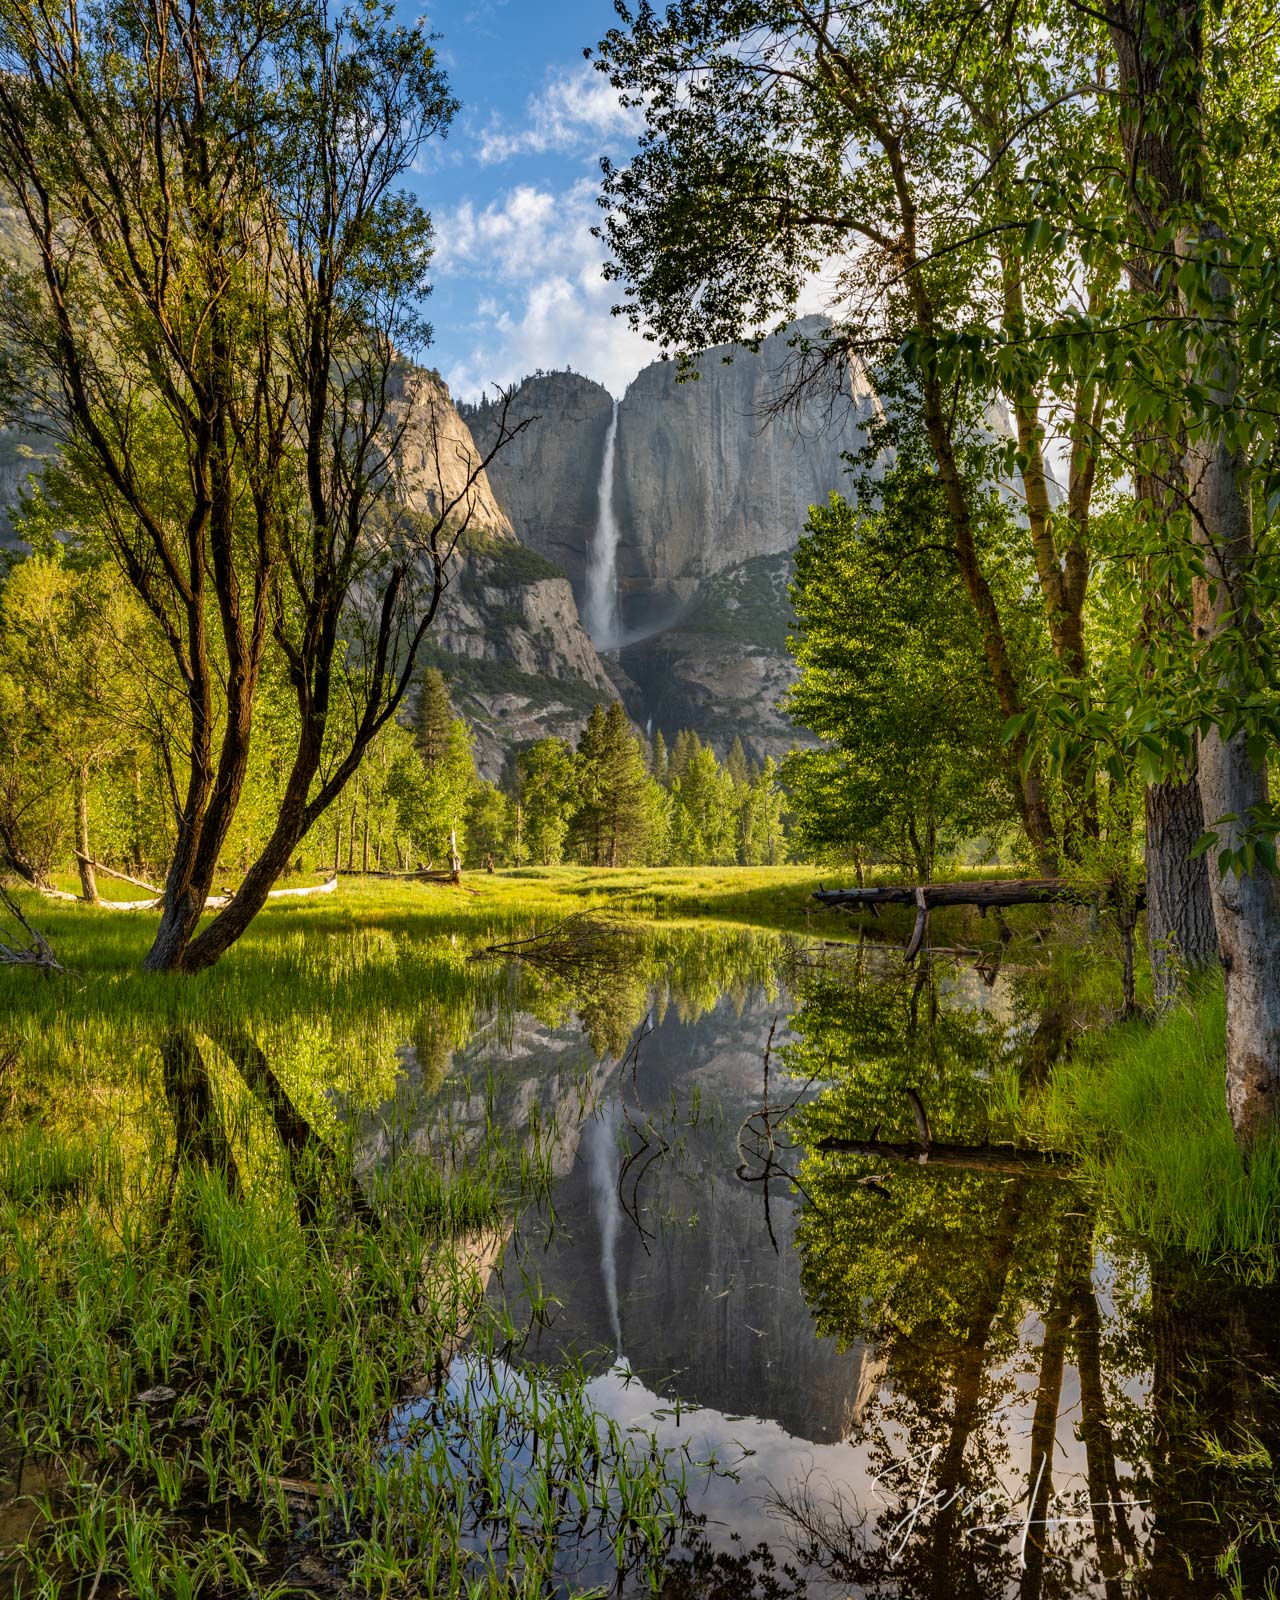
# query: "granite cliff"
508,636
711,488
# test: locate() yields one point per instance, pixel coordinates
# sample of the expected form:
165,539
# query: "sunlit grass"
289,1341
1142,1105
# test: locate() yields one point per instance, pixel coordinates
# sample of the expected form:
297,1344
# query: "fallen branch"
582,941
110,872
36,952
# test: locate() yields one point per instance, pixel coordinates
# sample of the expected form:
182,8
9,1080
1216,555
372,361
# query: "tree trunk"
1163,124
19,860
136,847
1180,929
84,860
1246,908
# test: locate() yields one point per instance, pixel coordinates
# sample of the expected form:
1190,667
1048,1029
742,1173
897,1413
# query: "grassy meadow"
213,1305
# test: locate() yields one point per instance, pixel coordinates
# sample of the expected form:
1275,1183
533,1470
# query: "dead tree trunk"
88,883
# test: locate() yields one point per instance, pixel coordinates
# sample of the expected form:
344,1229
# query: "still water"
883,1377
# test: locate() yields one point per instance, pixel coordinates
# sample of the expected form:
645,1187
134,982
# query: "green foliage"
891,677
611,816
433,717
505,562
747,602
432,801
703,812
1142,1107
489,825
546,783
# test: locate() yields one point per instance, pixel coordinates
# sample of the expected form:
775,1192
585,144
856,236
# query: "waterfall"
600,613
602,1154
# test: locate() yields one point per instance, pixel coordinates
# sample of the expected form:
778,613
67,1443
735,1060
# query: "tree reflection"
1058,1414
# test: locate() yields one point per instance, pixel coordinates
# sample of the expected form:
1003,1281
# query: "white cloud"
576,110
534,275
542,298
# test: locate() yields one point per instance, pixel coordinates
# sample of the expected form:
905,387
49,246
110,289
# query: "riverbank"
1141,1107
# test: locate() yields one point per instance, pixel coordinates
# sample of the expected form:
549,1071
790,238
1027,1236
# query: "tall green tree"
70,648
704,811
891,678
658,762
432,717
783,140
1203,370
610,823
217,278
432,802
546,783
763,827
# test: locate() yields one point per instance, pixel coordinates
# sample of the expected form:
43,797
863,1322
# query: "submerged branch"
585,940
1017,1160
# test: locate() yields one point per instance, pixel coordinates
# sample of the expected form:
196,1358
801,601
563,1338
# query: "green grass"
1142,1106
180,1342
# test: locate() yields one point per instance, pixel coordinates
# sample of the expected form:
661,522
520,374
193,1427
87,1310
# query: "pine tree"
736,762
704,813
433,718
624,790
658,764
764,842
686,745
586,827
611,823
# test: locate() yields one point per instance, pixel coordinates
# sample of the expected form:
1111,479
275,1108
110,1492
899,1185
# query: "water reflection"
925,1380
947,1381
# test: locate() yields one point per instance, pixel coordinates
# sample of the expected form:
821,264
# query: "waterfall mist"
602,1161
600,612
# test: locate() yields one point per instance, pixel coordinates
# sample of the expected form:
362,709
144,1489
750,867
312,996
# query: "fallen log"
329,885
981,892
215,902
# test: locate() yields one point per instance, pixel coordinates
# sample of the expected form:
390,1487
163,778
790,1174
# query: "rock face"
507,637
548,477
712,487
507,634
707,478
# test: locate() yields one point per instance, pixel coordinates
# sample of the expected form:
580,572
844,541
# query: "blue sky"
512,191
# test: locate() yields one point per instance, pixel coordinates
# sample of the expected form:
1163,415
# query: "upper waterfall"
601,612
